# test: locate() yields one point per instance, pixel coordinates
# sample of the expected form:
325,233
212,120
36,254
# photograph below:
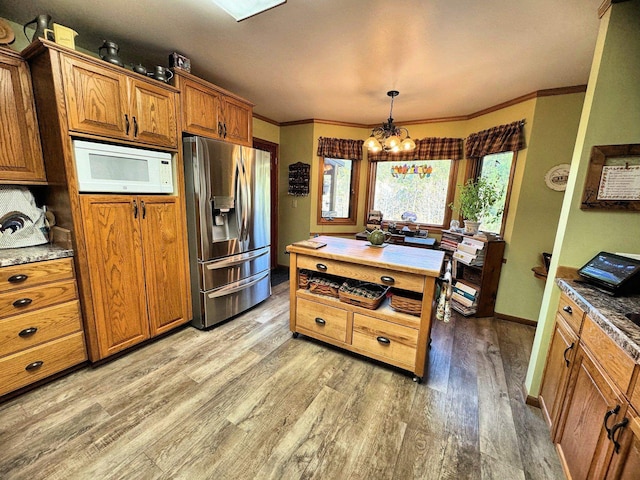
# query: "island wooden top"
396,257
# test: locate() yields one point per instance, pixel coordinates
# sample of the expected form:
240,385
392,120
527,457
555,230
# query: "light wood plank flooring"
247,401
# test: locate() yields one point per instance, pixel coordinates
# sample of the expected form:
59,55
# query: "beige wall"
610,116
266,131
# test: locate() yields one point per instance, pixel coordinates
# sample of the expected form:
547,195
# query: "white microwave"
103,167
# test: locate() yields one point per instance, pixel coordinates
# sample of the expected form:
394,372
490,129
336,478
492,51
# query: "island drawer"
385,339
30,274
29,329
322,319
366,273
571,312
25,300
28,366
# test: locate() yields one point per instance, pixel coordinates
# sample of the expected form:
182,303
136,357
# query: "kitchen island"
385,333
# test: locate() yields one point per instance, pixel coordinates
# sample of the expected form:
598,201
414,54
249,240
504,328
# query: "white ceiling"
336,59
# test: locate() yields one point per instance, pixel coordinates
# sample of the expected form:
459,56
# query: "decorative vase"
471,227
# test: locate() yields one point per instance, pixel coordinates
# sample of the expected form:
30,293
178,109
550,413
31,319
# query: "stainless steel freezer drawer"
219,272
225,302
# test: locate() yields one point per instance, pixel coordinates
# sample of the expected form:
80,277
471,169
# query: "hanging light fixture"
390,137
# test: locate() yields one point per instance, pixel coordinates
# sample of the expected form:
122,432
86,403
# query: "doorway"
272,148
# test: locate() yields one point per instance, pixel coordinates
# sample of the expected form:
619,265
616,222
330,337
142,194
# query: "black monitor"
615,274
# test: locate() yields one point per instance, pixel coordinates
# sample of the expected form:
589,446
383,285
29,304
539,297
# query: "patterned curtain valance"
504,138
432,148
340,148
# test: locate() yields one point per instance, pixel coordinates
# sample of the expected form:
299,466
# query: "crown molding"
606,4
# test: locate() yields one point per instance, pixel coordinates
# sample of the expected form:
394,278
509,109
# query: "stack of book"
463,298
449,242
470,251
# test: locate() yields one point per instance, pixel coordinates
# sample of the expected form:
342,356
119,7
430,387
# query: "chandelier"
390,137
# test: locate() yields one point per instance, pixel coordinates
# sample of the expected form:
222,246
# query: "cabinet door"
237,121
20,150
556,373
96,99
153,114
625,464
200,107
165,263
592,402
114,255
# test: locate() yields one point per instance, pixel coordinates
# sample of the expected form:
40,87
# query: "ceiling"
336,59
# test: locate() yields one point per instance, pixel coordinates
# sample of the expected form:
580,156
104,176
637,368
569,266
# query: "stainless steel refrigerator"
228,217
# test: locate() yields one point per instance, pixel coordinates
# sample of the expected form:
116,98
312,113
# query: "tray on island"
362,294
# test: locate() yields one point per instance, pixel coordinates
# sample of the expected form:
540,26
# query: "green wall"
611,115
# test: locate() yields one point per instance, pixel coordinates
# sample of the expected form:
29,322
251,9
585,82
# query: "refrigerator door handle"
236,260
243,199
236,287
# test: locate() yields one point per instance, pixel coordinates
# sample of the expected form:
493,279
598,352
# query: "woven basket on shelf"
362,294
406,302
303,279
324,286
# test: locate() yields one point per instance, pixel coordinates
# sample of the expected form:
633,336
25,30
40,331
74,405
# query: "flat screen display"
609,270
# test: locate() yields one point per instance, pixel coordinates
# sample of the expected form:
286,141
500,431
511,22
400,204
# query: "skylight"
243,9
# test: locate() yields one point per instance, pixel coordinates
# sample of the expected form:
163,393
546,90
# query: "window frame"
353,197
451,190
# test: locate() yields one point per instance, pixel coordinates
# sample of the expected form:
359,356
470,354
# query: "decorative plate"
556,178
6,34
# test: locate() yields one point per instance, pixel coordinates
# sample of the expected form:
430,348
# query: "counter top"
38,253
406,259
609,313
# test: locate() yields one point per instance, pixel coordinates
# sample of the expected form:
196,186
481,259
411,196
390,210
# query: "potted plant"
476,199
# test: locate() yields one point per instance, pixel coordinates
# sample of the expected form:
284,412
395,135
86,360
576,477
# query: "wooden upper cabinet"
20,149
101,101
212,112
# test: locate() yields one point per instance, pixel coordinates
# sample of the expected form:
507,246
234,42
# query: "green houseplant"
476,199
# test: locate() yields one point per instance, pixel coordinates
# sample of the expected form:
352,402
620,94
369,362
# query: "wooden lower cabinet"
135,253
592,407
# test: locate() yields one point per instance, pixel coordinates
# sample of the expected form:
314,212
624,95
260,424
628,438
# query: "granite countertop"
609,313
38,253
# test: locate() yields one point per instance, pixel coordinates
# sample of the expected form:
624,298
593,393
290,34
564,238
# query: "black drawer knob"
387,279
17,278
23,302
27,332
34,366
322,266
568,309
384,340
321,321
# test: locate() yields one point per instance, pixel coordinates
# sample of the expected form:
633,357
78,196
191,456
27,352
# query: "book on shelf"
465,288
473,242
466,311
463,293
472,249
467,258
462,300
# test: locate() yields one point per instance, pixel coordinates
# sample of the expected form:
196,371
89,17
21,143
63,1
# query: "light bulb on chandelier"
390,137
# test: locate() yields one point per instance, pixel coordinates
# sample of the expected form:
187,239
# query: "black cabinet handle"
220,129
387,279
135,209
568,309
144,209
613,411
321,321
126,124
321,266
616,427
564,355
225,130
135,127
34,366
27,332
23,302
383,340
18,278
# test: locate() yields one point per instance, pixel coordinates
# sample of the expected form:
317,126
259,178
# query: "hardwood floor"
247,401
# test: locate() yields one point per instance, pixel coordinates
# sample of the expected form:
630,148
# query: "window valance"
433,148
340,148
504,138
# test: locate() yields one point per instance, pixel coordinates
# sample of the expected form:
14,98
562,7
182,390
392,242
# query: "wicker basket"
303,279
406,302
324,286
362,294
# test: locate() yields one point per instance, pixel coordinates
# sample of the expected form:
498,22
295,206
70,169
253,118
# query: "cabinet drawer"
30,274
385,339
24,368
571,312
322,319
611,358
29,299
29,329
382,276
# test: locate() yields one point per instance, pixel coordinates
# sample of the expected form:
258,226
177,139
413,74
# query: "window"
422,187
498,168
338,191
